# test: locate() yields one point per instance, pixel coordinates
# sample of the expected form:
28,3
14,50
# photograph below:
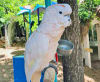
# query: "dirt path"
6,66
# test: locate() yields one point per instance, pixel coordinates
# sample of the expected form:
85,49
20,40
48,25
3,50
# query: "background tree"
87,12
73,71
9,8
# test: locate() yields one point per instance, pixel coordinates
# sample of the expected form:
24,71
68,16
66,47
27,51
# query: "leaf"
2,20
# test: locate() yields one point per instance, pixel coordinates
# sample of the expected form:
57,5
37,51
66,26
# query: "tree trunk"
6,36
73,64
85,43
86,54
10,33
0,33
98,37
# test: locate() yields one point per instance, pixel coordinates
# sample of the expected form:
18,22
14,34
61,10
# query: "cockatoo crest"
59,13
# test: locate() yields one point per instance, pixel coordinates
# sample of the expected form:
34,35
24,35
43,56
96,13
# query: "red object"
56,56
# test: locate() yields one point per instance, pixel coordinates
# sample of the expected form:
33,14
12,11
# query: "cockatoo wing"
36,49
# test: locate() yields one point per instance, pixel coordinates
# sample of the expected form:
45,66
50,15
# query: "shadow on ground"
17,53
6,70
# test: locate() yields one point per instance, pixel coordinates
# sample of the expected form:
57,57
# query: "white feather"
42,44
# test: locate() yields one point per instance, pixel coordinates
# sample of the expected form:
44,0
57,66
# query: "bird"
41,46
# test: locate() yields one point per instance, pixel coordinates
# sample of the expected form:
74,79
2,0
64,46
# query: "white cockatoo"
41,46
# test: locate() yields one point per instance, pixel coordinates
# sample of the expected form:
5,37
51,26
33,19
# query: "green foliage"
87,10
9,8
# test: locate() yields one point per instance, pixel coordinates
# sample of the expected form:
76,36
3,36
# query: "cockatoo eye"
60,12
